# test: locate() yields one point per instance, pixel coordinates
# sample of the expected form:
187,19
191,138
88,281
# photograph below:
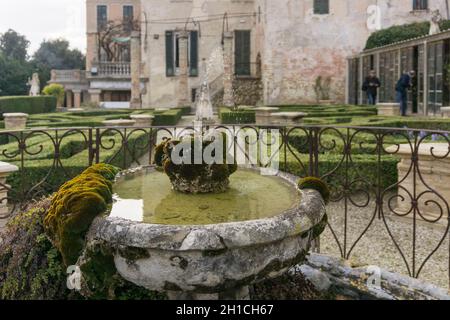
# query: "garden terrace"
347,146
355,161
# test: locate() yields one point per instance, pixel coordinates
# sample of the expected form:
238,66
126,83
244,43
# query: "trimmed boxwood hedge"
362,171
228,116
35,170
30,105
168,118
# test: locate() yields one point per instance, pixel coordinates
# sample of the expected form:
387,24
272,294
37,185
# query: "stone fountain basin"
215,258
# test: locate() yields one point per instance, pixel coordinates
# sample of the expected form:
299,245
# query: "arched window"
420,4
321,6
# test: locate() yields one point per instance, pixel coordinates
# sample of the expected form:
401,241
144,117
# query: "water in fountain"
147,196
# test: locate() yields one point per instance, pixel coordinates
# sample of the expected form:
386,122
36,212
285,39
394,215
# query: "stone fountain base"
213,261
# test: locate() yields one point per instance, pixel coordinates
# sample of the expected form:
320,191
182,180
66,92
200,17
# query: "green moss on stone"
315,184
31,267
73,208
192,177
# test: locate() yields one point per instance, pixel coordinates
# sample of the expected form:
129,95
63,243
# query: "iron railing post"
97,145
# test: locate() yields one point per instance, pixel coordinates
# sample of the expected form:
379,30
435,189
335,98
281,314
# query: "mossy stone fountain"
207,231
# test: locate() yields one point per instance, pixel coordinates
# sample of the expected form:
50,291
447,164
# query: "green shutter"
170,66
193,59
242,52
321,6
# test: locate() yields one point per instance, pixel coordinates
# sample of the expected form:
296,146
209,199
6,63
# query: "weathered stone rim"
290,223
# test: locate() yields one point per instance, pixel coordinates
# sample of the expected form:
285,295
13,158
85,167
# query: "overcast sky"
45,19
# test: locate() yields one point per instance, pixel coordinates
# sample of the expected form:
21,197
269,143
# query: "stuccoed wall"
296,46
299,46
162,90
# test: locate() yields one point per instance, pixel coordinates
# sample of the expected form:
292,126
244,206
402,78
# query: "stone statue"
435,20
35,85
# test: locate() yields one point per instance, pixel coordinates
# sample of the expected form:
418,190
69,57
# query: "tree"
13,76
55,90
14,46
112,39
56,54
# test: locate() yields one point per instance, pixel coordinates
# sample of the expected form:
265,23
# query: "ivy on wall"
401,33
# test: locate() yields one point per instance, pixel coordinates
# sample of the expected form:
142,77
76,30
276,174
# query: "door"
389,70
410,62
242,52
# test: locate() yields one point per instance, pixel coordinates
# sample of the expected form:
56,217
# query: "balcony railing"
67,76
112,69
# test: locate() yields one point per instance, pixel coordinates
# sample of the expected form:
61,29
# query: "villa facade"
265,52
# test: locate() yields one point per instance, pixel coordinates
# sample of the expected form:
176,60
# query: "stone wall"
336,278
247,91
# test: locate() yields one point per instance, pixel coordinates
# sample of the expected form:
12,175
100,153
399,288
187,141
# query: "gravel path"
377,248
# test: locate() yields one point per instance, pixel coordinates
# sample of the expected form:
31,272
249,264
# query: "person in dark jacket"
370,86
403,84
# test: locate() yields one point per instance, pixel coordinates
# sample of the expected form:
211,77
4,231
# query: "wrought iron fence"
390,173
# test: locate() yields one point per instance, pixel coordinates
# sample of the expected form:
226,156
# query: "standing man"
403,84
370,86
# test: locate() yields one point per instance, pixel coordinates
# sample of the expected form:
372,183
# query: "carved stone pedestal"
388,109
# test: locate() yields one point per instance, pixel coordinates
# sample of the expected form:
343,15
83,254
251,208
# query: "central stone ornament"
196,164
214,234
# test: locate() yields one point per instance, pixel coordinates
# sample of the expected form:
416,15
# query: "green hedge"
168,118
401,33
42,167
185,110
362,171
228,116
30,105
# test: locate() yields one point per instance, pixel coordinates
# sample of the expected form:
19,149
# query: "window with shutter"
128,17
173,53
193,53
170,62
242,52
102,17
321,6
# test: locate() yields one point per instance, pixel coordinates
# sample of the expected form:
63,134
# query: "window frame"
100,26
242,69
193,72
318,9
420,5
128,20
127,6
